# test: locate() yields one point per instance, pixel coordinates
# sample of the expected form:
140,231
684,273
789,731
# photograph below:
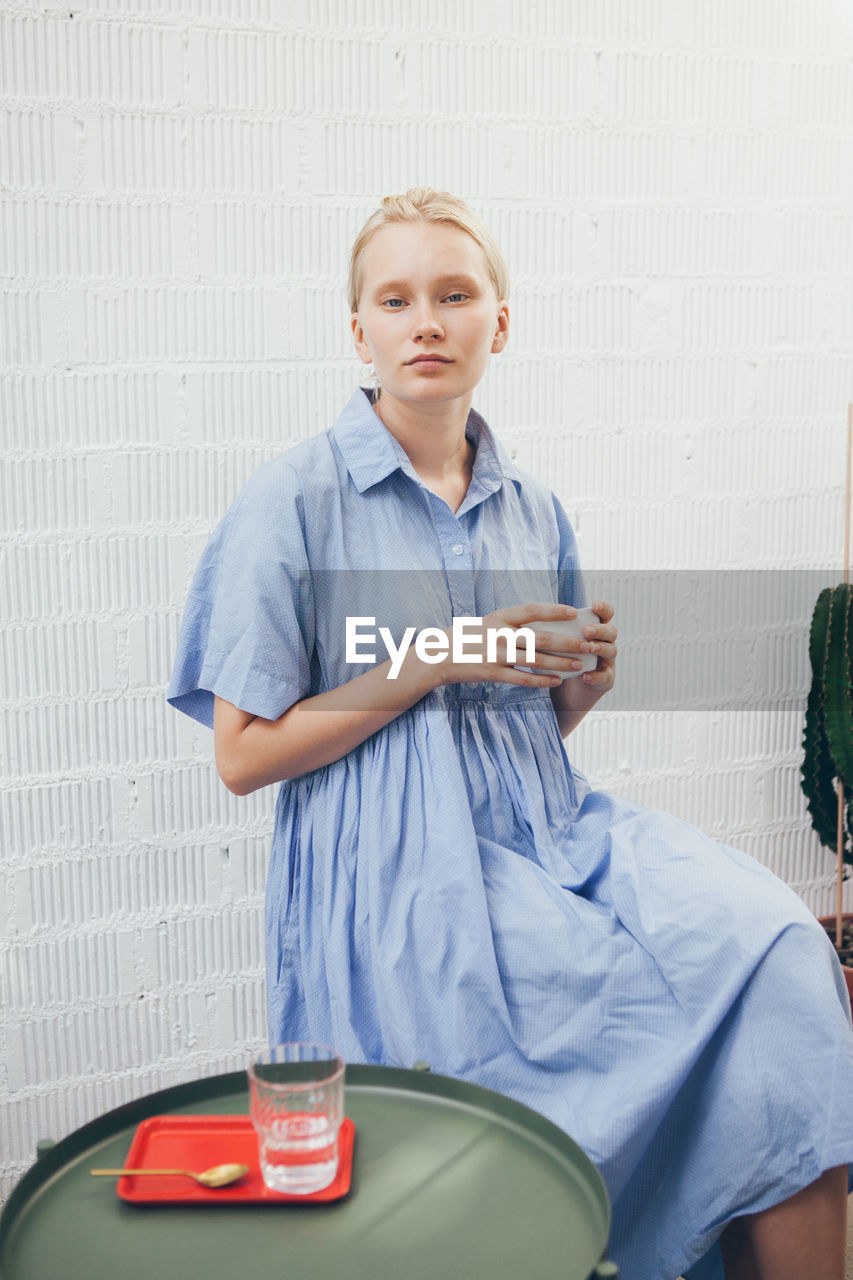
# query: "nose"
426,323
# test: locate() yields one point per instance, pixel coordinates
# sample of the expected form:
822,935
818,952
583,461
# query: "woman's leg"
799,1239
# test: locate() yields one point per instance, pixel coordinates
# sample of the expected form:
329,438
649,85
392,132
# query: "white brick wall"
180,181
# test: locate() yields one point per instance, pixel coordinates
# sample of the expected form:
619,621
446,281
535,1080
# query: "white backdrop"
180,181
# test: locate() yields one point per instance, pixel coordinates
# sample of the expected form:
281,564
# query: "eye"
459,295
390,301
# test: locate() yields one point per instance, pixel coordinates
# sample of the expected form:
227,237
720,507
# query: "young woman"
444,885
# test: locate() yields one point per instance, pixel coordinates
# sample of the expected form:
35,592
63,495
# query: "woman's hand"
574,698
252,752
503,669
601,640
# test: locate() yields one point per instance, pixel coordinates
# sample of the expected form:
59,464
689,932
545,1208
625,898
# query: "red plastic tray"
198,1142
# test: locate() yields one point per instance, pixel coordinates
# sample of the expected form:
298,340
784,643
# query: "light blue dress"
453,890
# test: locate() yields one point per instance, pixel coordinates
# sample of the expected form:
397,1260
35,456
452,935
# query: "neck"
433,436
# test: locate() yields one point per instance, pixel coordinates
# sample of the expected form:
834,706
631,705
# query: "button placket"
456,555
460,580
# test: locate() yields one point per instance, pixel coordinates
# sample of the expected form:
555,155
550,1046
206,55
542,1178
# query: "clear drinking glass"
296,1096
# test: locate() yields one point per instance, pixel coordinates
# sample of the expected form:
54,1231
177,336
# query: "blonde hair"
425,204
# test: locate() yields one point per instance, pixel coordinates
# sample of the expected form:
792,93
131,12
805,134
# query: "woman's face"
425,289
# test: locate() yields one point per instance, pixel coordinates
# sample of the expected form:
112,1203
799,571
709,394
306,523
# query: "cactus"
828,736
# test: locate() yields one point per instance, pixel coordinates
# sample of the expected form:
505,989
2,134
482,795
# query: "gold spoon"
221,1175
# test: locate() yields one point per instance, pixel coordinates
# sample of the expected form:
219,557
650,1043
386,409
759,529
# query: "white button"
457,548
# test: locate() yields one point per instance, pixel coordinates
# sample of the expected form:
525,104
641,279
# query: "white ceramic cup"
567,627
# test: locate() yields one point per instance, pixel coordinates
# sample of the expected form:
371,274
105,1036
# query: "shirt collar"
371,453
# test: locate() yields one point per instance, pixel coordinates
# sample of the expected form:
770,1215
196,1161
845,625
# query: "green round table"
448,1180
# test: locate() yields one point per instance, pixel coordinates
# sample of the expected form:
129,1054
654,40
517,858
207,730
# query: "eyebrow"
455,277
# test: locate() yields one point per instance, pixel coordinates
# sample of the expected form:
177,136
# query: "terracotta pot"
848,972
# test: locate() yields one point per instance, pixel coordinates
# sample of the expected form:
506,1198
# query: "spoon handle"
120,1173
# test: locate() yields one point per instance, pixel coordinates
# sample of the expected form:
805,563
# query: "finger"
512,675
605,628
605,652
518,614
509,654
601,678
603,609
601,633
555,662
548,640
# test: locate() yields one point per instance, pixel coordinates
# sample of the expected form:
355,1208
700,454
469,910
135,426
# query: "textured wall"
180,181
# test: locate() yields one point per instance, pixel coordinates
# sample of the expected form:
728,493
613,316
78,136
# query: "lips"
423,359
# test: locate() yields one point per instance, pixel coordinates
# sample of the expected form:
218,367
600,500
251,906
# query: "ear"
360,340
502,329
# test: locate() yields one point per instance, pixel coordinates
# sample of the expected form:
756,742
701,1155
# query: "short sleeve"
570,584
247,632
